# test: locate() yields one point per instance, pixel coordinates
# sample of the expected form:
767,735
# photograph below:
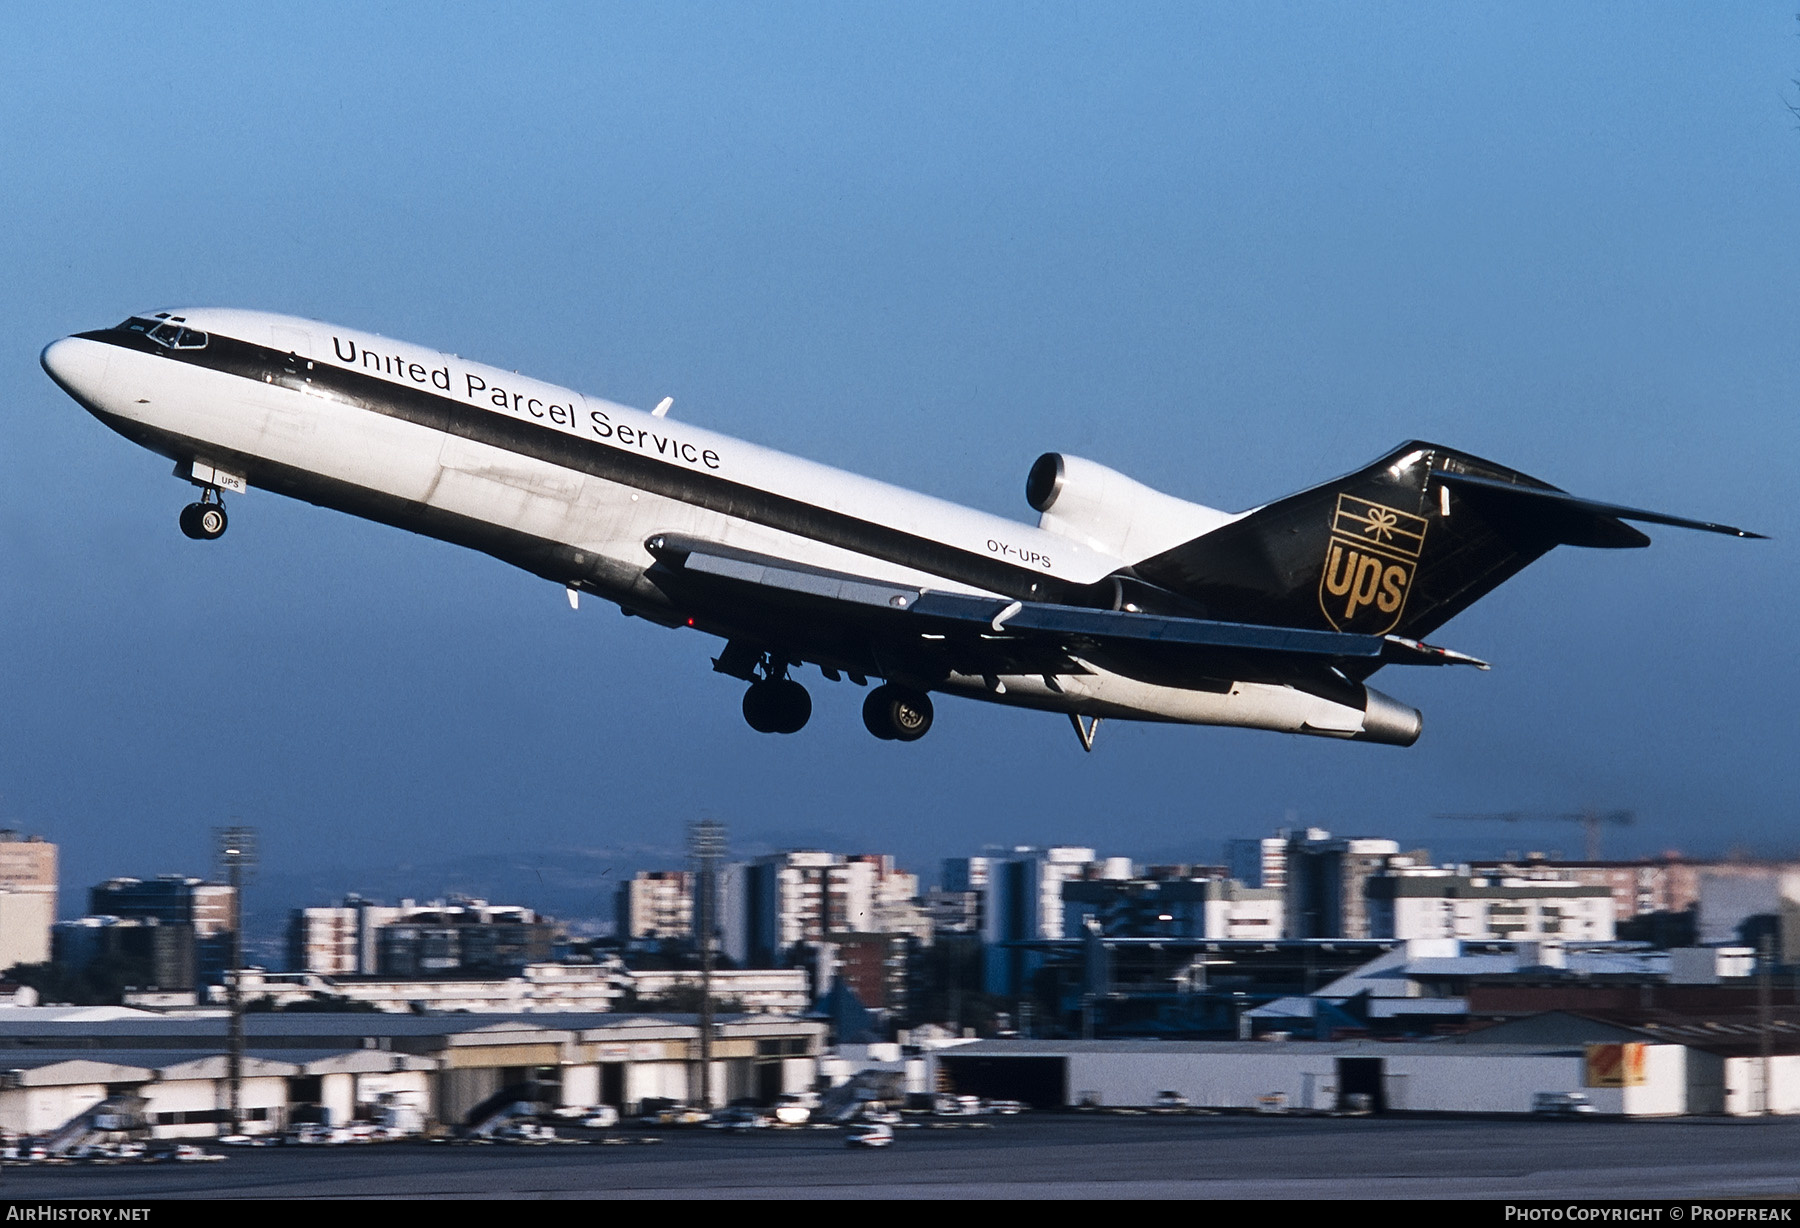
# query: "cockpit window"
167,331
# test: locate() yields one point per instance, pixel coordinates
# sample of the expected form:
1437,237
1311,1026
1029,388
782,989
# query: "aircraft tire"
875,716
794,707
190,522
211,521
777,706
759,708
897,714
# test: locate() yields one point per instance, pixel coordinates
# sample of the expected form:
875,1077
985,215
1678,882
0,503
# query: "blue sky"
1231,250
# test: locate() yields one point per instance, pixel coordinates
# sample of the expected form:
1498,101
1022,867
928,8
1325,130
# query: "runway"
1064,1156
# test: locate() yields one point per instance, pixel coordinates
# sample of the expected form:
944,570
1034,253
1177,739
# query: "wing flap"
993,634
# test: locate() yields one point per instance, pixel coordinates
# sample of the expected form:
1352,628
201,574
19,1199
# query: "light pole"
235,853
706,845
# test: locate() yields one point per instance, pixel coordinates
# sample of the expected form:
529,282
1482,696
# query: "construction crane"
1590,820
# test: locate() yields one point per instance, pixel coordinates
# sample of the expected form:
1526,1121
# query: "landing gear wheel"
777,705
203,521
211,521
896,714
875,714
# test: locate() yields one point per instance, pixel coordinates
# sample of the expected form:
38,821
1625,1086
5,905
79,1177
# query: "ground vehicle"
1561,1104
739,1117
871,1135
523,1131
795,1108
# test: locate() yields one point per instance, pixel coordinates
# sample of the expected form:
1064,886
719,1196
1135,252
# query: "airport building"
56,1063
1308,1076
551,988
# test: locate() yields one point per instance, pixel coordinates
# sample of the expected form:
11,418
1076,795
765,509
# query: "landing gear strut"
205,521
897,714
776,703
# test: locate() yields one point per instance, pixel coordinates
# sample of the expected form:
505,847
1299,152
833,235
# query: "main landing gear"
897,714
776,703
205,521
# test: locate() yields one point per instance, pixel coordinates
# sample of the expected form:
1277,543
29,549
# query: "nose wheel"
896,714
205,521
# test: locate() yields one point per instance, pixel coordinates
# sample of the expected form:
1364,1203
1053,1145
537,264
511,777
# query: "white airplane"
1123,602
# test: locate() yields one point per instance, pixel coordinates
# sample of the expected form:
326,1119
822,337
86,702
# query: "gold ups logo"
1369,565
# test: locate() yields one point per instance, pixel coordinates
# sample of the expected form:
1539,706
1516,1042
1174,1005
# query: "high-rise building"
168,897
966,873
778,903
27,898
337,941
656,904
462,938
1410,902
874,967
1024,904
1326,879
1208,907
137,952
1258,862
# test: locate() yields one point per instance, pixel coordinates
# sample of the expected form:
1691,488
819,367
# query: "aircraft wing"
994,635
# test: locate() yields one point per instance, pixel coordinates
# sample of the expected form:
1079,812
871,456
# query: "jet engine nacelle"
1104,510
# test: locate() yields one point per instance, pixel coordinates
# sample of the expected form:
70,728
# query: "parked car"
870,1134
601,1117
1168,1101
522,1131
739,1117
686,1115
795,1108
947,1105
1561,1104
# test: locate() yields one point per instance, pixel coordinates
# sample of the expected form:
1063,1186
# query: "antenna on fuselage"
662,407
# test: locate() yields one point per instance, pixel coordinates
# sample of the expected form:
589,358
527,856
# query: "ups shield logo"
1370,563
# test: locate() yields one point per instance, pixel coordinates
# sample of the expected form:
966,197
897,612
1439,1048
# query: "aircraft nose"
75,363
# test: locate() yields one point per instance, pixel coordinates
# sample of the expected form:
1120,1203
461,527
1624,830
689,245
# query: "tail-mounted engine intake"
1104,510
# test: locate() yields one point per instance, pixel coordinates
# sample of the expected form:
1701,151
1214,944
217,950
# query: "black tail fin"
1400,547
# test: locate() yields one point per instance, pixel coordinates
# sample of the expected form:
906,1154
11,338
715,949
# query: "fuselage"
571,488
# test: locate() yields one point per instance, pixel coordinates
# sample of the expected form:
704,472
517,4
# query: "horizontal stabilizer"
1576,521
1402,651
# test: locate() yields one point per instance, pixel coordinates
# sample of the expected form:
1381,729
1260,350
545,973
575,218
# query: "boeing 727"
1122,602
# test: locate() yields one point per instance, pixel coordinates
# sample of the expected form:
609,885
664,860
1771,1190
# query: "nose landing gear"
205,520
897,714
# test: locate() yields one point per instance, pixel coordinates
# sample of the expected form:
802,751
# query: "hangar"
1310,1076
